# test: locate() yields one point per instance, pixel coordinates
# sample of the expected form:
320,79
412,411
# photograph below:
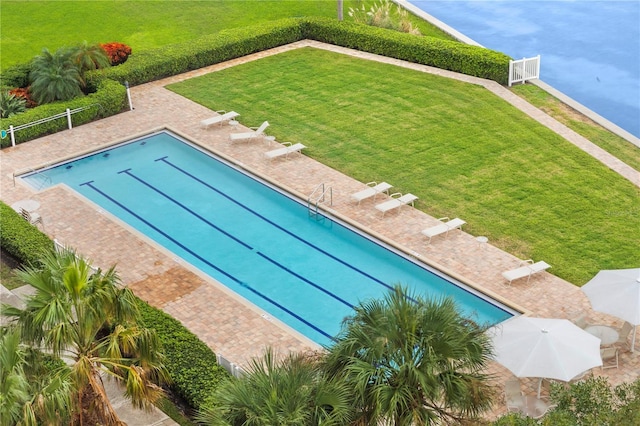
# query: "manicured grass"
613,144
463,151
27,27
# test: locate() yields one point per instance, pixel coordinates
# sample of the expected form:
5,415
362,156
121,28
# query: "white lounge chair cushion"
525,271
372,191
284,151
401,200
443,227
249,135
219,119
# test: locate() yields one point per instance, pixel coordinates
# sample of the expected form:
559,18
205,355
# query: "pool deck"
230,326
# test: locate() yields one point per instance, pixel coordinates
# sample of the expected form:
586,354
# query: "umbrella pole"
539,387
633,340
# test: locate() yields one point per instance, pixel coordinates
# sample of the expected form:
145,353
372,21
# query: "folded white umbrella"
545,348
617,292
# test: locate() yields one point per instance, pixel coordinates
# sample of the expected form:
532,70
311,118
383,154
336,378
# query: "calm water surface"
590,50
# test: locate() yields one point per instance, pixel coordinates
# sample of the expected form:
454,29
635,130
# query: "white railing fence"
524,69
12,130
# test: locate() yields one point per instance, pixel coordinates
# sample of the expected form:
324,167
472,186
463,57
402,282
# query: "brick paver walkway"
228,324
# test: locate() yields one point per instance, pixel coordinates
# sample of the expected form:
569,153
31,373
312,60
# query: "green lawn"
613,144
463,151
27,27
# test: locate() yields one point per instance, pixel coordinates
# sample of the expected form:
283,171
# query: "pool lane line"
326,253
234,238
236,280
213,225
295,274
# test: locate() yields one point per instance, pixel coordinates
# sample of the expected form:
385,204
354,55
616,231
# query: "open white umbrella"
617,292
544,348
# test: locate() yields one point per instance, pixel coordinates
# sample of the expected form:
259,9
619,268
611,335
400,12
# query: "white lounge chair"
256,133
285,151
219,119
444,227
529,269
372,191
397,200
513,396
32,218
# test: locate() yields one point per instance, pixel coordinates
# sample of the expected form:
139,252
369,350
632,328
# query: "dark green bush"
192,366
443,54
109,99
16,76
20,239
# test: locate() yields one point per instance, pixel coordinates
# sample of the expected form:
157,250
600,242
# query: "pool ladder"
320,195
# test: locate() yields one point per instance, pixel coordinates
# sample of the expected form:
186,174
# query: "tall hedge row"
21,239
444,54
211,49
146,66
192,366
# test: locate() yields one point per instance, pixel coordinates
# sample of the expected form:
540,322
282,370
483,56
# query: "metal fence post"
126,84
13,136
69,118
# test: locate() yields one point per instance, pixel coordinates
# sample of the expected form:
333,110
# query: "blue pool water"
254,239
590,49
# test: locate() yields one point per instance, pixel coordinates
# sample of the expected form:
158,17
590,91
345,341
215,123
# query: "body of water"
590,50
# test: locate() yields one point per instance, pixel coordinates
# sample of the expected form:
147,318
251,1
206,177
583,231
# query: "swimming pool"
250,236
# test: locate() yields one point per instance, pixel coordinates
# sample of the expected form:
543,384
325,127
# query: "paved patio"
229,325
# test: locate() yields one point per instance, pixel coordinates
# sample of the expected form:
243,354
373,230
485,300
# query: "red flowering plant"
22,92
116,52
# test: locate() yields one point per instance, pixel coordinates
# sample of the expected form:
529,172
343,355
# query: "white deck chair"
219,119
372,191
397,200
256,133
32,218
529,269
285,151
513,396
444,227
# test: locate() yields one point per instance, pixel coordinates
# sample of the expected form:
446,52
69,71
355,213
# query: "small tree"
85,315
55,77
33,390
413,361
290,392
89,57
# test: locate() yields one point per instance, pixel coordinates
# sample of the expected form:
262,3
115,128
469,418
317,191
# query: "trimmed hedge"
192,365
155,64
444,54
20,239
109,99
211,49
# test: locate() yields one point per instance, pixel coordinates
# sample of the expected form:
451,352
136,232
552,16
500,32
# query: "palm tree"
55,77
83,314
412,361
290,392
33,392
89,57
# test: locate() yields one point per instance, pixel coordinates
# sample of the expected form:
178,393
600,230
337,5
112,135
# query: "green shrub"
192,366
20,239
449,55
16,76
109,99
211,49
